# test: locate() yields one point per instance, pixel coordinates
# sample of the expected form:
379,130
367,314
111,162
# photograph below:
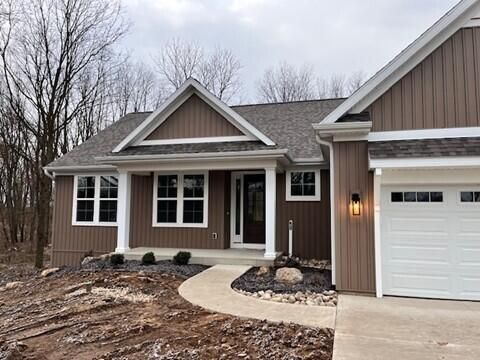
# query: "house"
385,183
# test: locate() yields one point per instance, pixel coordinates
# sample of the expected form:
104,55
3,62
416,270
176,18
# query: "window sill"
96,224
176,225
303,198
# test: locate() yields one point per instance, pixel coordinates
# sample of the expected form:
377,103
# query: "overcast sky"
332,36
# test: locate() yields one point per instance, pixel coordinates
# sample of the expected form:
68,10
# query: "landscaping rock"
263,270
13,285
289,275
48,272
88,260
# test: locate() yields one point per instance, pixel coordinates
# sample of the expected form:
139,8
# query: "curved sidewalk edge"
211,290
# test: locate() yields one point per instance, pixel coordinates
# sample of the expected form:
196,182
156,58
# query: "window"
95,200
470,196
417,197
303,185
181,200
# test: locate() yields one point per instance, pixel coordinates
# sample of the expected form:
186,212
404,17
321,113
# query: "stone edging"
327,298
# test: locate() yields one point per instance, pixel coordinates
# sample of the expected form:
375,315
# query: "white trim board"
403,63
434,162
197,140
189,87
424,134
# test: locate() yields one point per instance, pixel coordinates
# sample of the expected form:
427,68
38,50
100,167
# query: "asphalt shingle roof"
289,125
424,148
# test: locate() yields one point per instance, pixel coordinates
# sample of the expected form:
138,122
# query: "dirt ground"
133,315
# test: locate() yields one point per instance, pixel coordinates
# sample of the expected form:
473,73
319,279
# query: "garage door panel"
430,250
401,254
419,224
468,256
437,285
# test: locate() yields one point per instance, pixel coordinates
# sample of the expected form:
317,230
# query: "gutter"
332,202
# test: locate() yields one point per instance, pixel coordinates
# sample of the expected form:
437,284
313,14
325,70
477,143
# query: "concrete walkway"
211,290
400,328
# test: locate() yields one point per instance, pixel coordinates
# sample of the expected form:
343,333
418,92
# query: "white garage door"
431,241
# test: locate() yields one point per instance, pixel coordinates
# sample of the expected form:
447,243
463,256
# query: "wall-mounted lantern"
355,204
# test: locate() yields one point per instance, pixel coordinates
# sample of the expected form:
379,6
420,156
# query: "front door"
254,209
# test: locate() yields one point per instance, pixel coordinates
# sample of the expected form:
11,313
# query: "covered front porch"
221,211
208,257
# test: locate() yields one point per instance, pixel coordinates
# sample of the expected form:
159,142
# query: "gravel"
314,280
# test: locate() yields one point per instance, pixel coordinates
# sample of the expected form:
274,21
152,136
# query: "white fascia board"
178,98
424,134
59,170
210,155
406,60
198,140
423,163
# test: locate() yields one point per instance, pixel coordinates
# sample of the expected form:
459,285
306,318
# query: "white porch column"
123,211
377,180
270,211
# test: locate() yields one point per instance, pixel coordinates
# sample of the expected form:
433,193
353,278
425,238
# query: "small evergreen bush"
117,259
182,258
148,258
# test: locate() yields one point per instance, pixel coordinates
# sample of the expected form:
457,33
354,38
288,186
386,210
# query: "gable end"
194,119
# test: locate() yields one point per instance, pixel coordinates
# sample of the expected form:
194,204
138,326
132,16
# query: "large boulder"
289,276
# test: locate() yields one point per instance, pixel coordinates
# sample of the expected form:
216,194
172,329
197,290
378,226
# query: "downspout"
332,205
50,175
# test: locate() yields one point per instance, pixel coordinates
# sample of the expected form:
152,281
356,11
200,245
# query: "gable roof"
287,124
189,87
459,16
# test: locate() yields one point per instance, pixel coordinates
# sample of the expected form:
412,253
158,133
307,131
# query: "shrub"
148,258
182,258
117,259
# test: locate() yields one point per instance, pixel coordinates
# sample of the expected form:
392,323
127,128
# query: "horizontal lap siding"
142,233
311,219
354,236
70,243
194,119
443,91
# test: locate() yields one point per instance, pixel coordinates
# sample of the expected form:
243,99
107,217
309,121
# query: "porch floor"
207,256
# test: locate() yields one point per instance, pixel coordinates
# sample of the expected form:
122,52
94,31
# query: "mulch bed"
164,266
314,280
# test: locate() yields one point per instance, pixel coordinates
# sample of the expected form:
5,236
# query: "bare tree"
355,81
46,47
286,83
338,85
218,71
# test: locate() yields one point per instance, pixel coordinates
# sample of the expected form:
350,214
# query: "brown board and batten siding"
70,243
443,91
142,233
193,119
311,237
354,235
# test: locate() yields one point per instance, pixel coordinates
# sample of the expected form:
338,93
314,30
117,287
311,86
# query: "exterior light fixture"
355,205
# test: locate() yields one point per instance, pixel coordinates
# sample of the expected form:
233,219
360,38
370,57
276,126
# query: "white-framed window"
303,184
180,199
95,200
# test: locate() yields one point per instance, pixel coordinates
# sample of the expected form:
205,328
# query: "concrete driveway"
400,328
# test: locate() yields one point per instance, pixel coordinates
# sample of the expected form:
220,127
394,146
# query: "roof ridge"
290,102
